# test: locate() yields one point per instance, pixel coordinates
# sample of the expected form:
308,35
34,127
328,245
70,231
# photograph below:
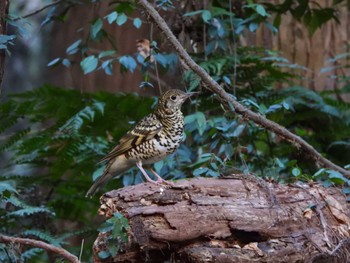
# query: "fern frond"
7,122
36,141
88,113
44,236
5,186
305,94
25,209
14,139
30,211
30,253
15,201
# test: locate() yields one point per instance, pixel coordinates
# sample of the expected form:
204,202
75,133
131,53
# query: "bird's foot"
161,182
165,182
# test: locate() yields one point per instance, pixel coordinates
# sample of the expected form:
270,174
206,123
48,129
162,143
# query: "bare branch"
40,244
226,98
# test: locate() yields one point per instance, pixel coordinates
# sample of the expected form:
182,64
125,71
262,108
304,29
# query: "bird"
152,139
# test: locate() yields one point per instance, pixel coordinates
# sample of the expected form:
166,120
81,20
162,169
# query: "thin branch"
81,249
40,244
39,10
228,100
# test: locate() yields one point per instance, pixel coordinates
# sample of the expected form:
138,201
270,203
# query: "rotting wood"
229,220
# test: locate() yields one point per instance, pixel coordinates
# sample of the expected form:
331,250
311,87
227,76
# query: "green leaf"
279,163
111,17
125,7
103,254
206,16
194,13
346,190
261,10
73,48
296,171
214,166
6,38
212,173
122,18
128,62
66,63
253,27
54,62
336,177
199,171
137,22
96,27
327,183
238,131
106,53
89,64
158,166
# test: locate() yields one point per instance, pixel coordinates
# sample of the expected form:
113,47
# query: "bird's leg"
139,165
160,179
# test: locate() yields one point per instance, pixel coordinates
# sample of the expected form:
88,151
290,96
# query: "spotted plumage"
151,140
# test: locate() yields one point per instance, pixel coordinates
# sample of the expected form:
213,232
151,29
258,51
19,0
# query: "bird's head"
172,100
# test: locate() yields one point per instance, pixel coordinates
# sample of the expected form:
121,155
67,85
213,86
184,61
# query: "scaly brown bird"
151,140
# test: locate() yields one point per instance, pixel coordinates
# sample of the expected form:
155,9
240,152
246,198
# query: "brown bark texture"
241,219
4,8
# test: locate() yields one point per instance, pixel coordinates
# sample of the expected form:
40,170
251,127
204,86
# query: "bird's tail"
100,182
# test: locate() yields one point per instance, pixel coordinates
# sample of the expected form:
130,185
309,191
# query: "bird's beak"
190,94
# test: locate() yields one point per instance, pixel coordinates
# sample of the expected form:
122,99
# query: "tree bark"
229,220
4,7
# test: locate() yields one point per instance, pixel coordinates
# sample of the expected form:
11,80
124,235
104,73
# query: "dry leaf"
144,49
336,209
342,230
307,213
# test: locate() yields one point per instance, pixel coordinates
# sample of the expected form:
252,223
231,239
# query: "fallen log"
229,220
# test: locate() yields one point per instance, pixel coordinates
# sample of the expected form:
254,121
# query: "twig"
155,60
39,10
81,249
226,98
342,243
234,51
324,226
40,244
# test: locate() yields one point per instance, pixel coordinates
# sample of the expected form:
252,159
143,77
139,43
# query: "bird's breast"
164,143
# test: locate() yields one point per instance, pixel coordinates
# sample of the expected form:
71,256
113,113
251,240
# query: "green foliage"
311,15
53,137
63,133
6,40
117,226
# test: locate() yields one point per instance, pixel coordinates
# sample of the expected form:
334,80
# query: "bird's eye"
173,97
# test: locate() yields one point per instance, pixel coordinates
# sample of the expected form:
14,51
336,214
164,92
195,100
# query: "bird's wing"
145,130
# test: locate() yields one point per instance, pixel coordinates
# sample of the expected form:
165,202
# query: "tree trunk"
241,219
4,8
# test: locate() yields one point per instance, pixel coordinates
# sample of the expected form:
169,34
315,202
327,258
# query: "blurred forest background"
75,80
